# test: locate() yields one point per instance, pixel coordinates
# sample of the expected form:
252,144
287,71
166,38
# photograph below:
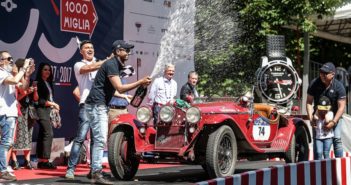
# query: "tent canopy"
336,27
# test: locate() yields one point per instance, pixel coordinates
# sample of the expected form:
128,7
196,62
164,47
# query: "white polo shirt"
162,91
8,102
320,132
85,81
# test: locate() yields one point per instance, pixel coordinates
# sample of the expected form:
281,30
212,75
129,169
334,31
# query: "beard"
8,68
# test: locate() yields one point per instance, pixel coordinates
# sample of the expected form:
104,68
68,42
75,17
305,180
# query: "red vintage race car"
211,134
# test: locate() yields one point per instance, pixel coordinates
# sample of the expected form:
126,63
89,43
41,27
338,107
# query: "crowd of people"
102,94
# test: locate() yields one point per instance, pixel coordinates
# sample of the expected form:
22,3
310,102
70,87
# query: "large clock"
278,81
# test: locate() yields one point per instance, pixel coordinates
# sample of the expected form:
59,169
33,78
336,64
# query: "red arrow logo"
78,16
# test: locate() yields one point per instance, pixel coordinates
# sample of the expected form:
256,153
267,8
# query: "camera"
31,61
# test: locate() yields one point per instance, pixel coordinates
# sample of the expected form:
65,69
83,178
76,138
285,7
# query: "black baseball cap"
327,68
324,103
84,42
118,44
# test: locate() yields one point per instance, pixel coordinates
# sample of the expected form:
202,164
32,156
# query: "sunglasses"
324,73
8,59
126,50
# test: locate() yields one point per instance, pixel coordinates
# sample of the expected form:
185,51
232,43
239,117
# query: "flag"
127,71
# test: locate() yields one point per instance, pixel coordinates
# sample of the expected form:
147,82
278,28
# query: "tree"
231,34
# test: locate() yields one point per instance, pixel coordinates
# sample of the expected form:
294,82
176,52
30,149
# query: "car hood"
220,107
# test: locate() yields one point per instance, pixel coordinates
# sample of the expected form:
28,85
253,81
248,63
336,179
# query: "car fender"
216,119
301,122
123,118
129,124
206,124
212,119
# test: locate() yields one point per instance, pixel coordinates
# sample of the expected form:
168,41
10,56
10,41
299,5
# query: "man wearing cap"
107,81
327,85
85,72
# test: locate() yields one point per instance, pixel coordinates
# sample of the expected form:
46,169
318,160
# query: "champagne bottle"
139,96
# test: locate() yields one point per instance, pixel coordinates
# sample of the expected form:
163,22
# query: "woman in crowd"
24,130
45,104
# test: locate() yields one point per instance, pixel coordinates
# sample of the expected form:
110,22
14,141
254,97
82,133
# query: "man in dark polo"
327,85
107,81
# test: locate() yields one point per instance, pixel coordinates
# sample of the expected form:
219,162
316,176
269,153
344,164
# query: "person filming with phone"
25,121
8,105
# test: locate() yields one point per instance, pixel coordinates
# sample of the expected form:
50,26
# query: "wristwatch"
277,79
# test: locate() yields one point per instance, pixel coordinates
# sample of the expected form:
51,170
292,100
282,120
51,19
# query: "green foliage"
231,34
274,14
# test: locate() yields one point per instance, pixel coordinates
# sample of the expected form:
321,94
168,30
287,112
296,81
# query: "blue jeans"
337,144
83,128
98,120
322,148
7,125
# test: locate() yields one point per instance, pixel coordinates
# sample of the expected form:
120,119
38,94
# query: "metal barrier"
330,171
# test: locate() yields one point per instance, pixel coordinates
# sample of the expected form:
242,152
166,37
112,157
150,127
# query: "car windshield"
240,97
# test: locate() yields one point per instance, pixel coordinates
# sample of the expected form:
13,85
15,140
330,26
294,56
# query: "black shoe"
98,178
90,174
8,176
15,165
46,165
28,165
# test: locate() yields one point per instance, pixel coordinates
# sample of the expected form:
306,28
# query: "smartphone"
31,62
35,83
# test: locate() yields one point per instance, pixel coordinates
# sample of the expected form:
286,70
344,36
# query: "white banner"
346,133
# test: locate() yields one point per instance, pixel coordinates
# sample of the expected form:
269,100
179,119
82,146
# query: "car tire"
221,153
122,157
204,167
299,146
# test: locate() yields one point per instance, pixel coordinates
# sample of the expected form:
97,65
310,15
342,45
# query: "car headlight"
167,113
192,115
143,114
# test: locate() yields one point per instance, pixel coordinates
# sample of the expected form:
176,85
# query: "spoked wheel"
122,157
299,146
221,153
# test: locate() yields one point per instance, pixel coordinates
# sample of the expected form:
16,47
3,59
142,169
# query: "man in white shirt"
163,90
8,105
85,71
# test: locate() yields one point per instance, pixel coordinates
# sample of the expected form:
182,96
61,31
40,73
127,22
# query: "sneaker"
8,176
9,169
105,174
69,174
46,165
98,178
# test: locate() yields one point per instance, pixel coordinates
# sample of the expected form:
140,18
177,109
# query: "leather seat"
267,111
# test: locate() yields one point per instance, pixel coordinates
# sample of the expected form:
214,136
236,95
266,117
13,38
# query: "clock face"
278,82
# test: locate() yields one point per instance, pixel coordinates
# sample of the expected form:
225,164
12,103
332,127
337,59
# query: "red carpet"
82,169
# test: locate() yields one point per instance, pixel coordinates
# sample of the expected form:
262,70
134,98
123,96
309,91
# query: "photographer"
8,105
